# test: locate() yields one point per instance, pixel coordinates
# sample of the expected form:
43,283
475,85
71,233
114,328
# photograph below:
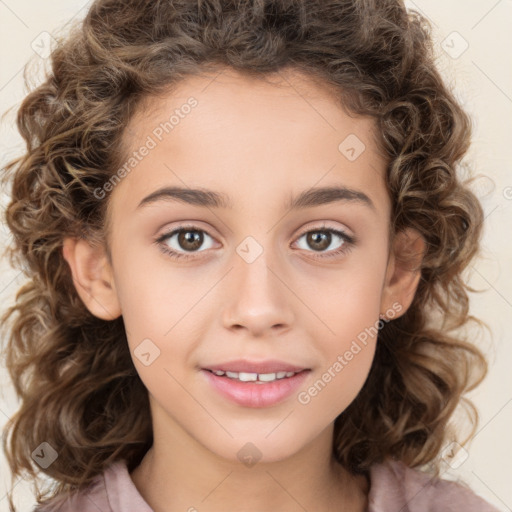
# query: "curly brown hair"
379,60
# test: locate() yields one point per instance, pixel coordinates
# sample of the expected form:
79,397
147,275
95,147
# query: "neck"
179,474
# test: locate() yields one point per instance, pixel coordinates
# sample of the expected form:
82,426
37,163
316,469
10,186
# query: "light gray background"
482,76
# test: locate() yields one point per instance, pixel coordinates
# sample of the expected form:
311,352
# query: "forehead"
226,95
285,131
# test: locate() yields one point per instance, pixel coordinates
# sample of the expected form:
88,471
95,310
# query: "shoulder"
103,493
90,499
111,491
396,486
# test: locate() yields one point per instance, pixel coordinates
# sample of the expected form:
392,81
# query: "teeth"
267,377
246,377
255,377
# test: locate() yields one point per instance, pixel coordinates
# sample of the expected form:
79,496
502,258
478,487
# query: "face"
255,273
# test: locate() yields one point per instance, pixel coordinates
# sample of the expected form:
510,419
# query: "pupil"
324,239
195,240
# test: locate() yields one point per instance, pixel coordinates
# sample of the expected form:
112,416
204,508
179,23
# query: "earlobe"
404,270
92,277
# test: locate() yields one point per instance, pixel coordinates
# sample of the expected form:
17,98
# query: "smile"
255,389
259,378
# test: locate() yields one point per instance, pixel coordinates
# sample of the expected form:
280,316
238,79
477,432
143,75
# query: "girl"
244,236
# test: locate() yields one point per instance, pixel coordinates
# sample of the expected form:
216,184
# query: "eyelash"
349,242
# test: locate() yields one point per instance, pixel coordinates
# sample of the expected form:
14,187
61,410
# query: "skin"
260,143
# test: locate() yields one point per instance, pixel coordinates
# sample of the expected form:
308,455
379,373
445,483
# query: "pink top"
394,487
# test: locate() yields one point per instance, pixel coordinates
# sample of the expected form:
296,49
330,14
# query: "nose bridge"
255,259
258,298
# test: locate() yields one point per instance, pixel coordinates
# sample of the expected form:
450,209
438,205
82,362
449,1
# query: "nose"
258,298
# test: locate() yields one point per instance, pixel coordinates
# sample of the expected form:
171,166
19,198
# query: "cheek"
350,306
158,315
154,297
348,302
339,380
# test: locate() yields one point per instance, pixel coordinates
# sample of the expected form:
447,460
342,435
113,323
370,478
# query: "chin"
257,449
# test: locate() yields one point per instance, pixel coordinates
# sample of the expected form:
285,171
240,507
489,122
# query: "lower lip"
251,394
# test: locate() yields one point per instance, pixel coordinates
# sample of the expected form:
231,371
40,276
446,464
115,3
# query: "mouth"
263,367
258,378
256,384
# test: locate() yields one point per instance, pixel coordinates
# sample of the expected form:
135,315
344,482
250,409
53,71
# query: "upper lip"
246,366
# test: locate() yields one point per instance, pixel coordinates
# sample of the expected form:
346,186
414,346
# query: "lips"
250,393
255,383
260,367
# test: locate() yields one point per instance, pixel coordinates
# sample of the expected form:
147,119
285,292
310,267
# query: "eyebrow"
211,199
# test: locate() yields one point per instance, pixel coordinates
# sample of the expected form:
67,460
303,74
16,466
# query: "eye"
322,239
184,239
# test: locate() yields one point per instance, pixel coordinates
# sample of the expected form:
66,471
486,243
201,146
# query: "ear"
403,272
92,277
